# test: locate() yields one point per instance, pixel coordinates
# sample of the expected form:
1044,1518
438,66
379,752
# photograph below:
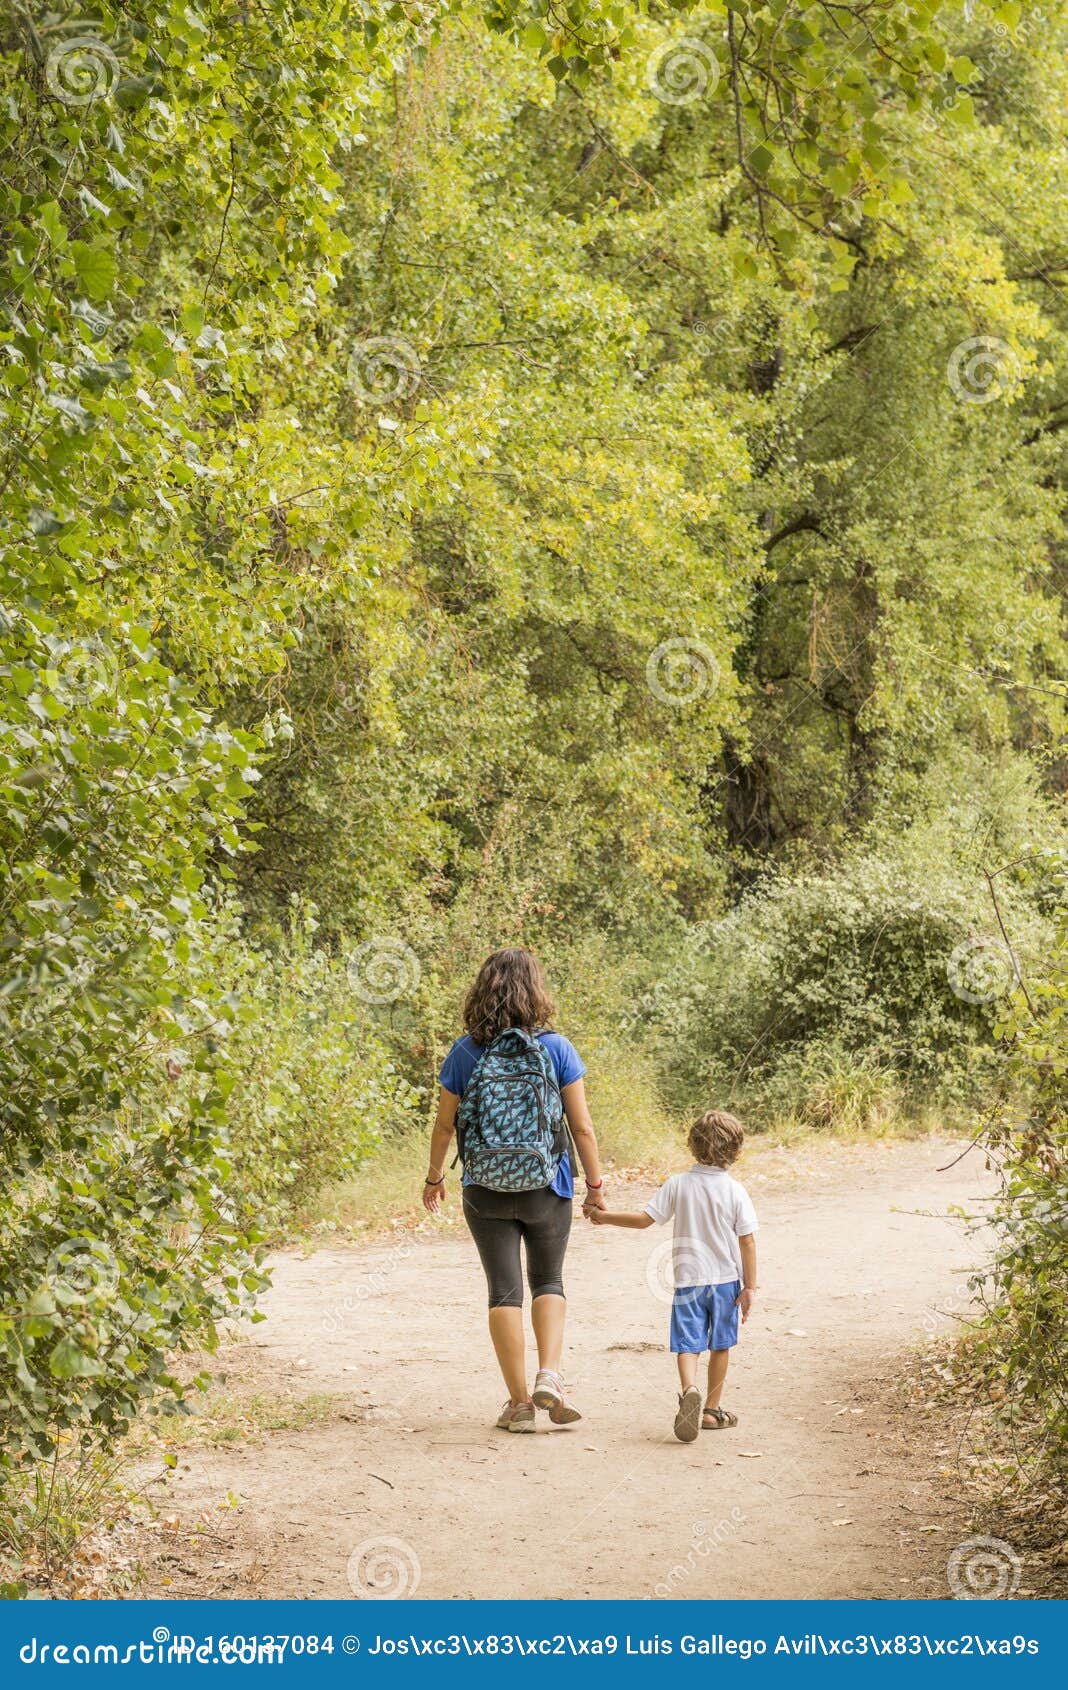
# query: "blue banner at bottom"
431,1644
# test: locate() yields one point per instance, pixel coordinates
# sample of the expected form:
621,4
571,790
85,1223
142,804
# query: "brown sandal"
720,1418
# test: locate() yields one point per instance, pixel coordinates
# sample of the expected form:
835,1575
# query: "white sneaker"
549,1392
516,1417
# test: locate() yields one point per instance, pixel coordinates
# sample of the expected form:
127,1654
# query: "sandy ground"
828,1487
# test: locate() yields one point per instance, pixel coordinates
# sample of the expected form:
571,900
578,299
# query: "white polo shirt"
711,1212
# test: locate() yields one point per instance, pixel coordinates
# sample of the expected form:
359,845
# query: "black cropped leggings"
499,1221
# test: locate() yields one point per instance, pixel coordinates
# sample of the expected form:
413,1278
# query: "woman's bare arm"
440,1140
578,1119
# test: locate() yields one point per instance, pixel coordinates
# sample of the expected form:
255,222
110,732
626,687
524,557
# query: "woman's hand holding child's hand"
594,1198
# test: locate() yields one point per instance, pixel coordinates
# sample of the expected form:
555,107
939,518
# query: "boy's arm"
747,1246
606,1217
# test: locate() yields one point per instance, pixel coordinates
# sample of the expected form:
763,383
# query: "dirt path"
827,1488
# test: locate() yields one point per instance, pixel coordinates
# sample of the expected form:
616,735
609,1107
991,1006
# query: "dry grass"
228,1417
632,1128
636,1136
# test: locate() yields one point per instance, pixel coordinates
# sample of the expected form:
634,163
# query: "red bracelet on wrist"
591,1187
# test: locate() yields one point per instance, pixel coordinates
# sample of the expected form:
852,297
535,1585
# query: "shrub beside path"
832,1485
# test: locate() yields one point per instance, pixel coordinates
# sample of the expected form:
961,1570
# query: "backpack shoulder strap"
565,1138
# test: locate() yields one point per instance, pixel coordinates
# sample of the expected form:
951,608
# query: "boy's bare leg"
717,1373
687,1370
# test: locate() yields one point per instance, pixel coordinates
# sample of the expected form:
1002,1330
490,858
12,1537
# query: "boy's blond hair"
716,1138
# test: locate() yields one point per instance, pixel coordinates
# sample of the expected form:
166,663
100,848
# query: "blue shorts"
704,1317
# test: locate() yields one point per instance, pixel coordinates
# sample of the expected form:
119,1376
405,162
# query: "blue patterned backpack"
511,1129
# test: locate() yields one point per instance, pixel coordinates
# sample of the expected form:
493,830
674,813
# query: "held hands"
593,1200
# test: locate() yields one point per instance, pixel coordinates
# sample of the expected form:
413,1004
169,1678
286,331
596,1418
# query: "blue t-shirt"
459,1065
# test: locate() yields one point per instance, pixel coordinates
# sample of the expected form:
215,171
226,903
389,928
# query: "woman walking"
510,1084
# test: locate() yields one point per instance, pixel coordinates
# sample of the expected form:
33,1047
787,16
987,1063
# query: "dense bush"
830,994
1023,1339
133,585
117,1250
126,1233
115,1244
313,1083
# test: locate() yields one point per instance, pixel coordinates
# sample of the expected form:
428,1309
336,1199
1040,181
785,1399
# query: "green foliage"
115,784
648,442
808,97
460,485
165,205
117,1251
314,1084
826,995
1021,1345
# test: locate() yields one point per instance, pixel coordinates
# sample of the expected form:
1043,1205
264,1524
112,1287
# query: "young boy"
714,1261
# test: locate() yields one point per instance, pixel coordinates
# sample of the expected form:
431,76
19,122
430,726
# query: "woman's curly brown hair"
716,1138
509,991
